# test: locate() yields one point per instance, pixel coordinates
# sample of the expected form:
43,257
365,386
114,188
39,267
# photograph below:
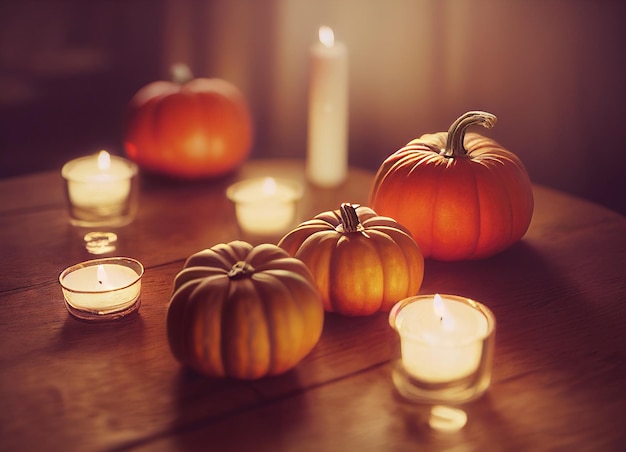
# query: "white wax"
265,206
91,185
113,286
441,346
327,151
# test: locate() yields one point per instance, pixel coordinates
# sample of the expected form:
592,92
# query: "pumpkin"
361,262
462,195
198,129
244,312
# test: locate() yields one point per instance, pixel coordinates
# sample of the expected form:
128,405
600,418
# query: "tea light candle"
265,206
102,288
327,152
99,189
444,340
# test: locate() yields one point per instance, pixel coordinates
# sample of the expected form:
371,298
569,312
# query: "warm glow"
327,37
269,186
439,308
104,160
102,276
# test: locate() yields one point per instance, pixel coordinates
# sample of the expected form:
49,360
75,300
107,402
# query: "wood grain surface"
559,376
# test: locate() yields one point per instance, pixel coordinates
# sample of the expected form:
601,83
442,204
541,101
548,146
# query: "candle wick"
99,282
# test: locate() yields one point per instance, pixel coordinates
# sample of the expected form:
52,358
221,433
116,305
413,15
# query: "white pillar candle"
327,151
265,206
441,338
102,288
99,189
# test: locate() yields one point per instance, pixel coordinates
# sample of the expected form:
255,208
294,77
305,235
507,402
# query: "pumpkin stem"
456,132
180,73
240,270
349,218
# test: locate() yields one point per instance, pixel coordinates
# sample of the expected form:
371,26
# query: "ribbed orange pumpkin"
197,129
243,311
462,196
361,262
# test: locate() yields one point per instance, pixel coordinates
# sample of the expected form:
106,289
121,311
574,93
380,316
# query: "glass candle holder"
265,206
101,190
446,344
102,289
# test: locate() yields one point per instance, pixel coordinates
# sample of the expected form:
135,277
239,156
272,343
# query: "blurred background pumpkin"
192,129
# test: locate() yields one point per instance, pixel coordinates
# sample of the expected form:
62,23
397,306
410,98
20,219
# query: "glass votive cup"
265,207
102,289
447,344
101,190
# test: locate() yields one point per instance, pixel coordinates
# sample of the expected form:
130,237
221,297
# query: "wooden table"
559,377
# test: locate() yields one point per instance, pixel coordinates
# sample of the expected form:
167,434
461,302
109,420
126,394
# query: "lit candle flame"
327,37
269,186
439,308
101,273
104,160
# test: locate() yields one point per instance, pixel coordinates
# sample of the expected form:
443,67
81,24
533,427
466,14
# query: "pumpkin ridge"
479,213
205,277
387,277
342,262
273,366
269,321
207,363
207,258
252,297
241,337
507,210
511,211
316,252
234,251
264,254
177,309
211,257
432,209
398,163
413,261
386,223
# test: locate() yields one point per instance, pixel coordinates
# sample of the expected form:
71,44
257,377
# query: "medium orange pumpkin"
361,262
243,311
462,196
198,129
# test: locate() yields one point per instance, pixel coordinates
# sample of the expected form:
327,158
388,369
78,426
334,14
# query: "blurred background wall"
553,71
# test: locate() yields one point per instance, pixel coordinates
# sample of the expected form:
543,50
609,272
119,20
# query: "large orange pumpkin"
361,262
243,311
198,129
462,196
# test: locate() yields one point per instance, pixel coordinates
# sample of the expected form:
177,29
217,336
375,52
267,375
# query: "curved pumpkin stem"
349,218
456,132
240,270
